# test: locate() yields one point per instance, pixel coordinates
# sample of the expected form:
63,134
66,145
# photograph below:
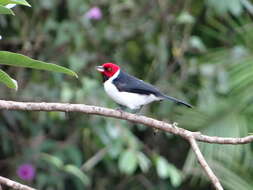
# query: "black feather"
177,101
127,83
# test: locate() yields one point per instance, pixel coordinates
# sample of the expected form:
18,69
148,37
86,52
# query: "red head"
108,69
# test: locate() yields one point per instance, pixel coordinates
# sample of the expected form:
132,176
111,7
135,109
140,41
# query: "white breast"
130,100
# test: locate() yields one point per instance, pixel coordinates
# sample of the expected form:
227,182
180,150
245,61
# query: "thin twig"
204,164
89,164
14,184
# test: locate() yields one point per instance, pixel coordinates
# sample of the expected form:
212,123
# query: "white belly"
130,100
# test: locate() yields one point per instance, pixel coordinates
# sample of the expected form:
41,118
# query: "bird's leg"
133,111
137,111
121,108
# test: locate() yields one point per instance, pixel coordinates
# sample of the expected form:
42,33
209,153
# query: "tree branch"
204,164
13,184
192,137
94,110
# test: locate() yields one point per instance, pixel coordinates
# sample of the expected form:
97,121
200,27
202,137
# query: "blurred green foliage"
15,59
199,51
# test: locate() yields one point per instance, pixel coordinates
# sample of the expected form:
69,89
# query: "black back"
128,83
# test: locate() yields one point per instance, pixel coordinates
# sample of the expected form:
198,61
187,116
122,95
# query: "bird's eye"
109,69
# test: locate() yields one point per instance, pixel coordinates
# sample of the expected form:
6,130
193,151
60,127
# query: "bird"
128,91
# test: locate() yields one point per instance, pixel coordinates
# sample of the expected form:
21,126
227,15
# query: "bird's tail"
177,101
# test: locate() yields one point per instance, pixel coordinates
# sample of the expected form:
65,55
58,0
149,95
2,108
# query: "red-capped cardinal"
128,91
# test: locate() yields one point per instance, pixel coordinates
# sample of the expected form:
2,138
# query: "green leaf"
185,18
197,43
7,80
19,60
6,11
128,162
162,167
78,173
165,170
52,160
18,2
144,162
175,175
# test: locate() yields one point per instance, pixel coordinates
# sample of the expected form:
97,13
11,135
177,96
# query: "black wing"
128,83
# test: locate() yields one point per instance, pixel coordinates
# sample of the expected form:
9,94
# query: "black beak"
100,68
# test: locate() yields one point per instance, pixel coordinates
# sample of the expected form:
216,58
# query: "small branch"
222,140
192,137
204,164
89,164
13,184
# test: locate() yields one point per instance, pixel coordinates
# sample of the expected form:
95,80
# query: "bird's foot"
133,111
137,111
121,108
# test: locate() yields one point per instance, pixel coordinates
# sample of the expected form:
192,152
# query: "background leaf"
4,10
165,170
78,173
55,161
128,162
18,2
162,167
144,161
7,80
